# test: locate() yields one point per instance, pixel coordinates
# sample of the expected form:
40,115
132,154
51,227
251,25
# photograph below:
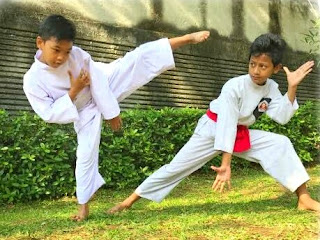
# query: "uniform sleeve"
61,111
227,121
281,109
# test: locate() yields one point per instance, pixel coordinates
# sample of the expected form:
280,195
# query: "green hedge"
37,159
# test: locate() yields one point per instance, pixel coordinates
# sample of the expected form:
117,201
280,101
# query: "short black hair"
270,44
57,26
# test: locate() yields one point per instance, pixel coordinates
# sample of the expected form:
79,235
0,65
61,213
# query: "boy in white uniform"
65,85
223,129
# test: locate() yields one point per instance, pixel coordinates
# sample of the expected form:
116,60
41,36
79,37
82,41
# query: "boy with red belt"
223,129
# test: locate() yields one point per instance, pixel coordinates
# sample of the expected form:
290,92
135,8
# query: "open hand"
294,78
81,82
223,177
76,85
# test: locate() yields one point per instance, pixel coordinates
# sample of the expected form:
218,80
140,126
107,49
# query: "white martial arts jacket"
47,90
241,102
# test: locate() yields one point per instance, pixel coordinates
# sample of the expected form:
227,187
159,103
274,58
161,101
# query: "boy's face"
261,68
54,52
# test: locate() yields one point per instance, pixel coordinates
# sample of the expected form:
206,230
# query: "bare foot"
305,202
126,204
198,37
118,208
83,213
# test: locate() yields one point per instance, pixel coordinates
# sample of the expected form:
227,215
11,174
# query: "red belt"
242,142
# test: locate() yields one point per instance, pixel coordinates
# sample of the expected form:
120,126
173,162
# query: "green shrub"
37,159
303,130
150,138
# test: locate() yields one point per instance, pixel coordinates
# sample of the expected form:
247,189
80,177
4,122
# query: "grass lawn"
255,208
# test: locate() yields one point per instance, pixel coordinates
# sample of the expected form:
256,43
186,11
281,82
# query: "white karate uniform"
236,105
47,91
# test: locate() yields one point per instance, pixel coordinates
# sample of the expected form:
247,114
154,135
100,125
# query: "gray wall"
110,28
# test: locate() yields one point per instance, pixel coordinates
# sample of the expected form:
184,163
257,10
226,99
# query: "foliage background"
37,159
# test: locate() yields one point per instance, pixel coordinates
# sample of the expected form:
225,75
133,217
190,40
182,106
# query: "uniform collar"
256,86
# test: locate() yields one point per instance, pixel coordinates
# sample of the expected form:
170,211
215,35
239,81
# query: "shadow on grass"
53,216
285,202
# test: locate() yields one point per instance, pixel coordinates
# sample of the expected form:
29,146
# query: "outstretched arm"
223,173
191,38
296,77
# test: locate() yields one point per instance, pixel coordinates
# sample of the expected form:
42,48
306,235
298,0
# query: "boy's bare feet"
198,37
191,38
127,203
82,214
305,202
118,208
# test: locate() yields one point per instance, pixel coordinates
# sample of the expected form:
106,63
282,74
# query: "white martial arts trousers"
273,152
125,75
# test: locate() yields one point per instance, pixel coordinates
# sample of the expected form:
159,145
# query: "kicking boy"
223,129
65,85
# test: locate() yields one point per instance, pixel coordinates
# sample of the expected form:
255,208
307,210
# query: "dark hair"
270,44
58,27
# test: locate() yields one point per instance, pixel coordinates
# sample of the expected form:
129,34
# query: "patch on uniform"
262,107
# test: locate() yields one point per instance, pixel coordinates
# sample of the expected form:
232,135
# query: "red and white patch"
263,106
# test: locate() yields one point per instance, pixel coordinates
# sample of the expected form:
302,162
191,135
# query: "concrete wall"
109,28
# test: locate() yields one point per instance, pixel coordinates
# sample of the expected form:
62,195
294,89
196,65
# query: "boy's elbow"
47,118
58,118
282,121
57,121
279,118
